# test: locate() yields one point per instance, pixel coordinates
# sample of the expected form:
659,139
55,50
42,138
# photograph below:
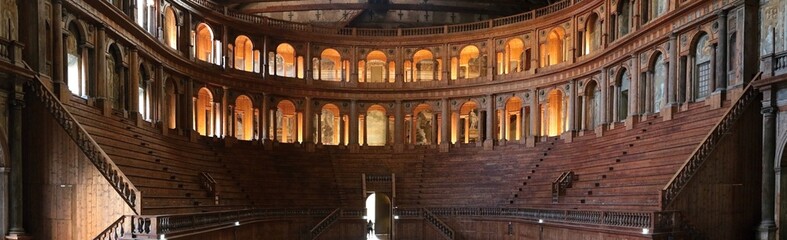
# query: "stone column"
275,124
365,129
353,72
309,74
721,56
489,140
133,89
58,59
231,131
223,111
341,129
445,123
189,103
16,184
398,126
308,117
670,86
4,198
767,227
522,123
634,86
101,65
503,125
264,59
535,113
265,116
319,128
353,124
446,56
572,103
604,95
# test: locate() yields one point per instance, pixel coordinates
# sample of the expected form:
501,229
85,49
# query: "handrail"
207,182
84,141
325,223
374,32
444,229
704,150
560,184
632,220
115,230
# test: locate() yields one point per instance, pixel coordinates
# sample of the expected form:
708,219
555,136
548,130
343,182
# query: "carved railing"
114,232
633,221
378,178
153,227
444,229
708,145
560,184
325,223
11,51
85,142
780,63
208,183
455,28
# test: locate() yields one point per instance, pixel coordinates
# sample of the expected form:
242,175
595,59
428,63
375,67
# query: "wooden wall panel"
267,230
66,197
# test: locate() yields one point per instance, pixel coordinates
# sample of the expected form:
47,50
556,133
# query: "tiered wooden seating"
164,169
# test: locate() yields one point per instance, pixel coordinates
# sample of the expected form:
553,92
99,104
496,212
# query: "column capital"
768,111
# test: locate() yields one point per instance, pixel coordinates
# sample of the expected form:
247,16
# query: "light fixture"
540,220
365,217
396,216
162,237
645,231
237,223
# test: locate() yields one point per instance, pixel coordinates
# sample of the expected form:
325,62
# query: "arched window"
622,18
471,64
204,43
512,115
553,112
552,50
592,105
425,66
330,122
143,91
204,113
285,60
244,54
77,62
170,28
374,68
652,9
424,125
513,57
287,122
171,103
330,65
592,34
659,75
467,128
376,126
623,87
245,118
702,68
116,76
145,11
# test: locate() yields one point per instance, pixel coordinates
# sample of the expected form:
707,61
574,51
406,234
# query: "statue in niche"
327,127
239,133
424,129
473,120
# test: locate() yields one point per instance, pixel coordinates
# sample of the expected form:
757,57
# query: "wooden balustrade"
86,143
11,51
115,231
325,223
633,221
208,183
780,63
444,229
703,151
456,28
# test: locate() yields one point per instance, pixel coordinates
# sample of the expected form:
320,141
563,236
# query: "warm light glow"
329,128
287,122
552,50
514,57
170,28
244,54
470,63
285,60
204,112
376,126
329,65
204,43
554,113
244,118
469,123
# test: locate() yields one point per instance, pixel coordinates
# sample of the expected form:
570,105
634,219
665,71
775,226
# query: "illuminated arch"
467,125
377,126
513,57
554,112
204,43
287,122
375,67
553,49
244,54
592,34
285,64
204,115
245,118
592,100
330,68
170,28
471,64
512,115
330,125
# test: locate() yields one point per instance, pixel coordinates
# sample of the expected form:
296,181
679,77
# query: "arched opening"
701,66
244,54
204,43
116,74
553,112
76,62
204,113
552,49
287,122
285,60
375,126
471,64
379,216
374,68
170,28
330,125
622,19
245,118
592,34
658,72
468,125
143,92
144,15
424,125
513,57
592,105
330,68
512,115
425,66
171,103
652,9
623,86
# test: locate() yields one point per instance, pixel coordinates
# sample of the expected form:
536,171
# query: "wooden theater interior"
393,119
